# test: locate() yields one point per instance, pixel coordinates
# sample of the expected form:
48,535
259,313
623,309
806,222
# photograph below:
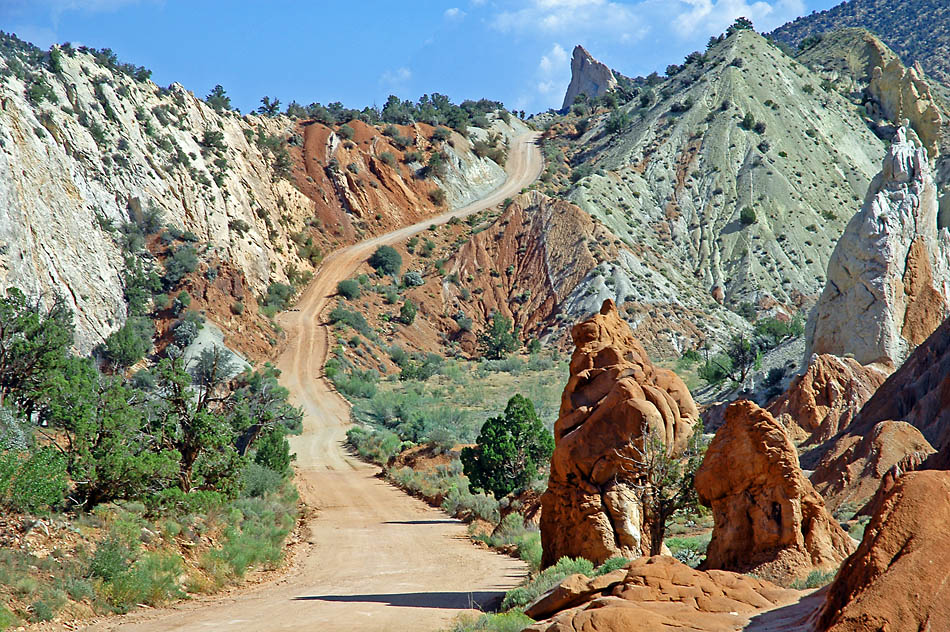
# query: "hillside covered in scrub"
917,30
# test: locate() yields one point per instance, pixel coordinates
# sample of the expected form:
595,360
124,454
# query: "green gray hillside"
745,127
917,30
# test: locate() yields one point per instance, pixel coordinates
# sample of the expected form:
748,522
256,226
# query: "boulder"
769,520
614,398
890,271
660,594
824,399
899,578
588,76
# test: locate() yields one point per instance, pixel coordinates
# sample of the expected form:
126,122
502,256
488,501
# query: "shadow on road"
453,600
446,521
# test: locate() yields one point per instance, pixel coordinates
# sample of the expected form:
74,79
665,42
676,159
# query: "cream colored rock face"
889,276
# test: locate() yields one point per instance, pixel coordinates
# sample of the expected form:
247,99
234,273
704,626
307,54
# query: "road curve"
375,559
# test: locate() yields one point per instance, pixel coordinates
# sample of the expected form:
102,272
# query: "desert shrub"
747,216
413,278
348,289
48,606
32,481
546,580
689,550
815,579
386,260
346,132
361,384
111,558
441,134
407,313
389,158
501,622
512,531
7,618
183,261
350,318
376,446
279,295
127,345
152,580
437,197
258,481
717,369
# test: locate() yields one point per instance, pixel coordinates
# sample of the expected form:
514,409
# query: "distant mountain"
917,30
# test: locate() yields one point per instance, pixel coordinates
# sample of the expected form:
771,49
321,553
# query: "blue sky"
515,51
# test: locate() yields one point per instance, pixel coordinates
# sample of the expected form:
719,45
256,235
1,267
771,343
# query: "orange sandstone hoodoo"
769,520
614,398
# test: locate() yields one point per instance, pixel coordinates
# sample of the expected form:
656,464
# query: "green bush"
112,557
32,482
407,313
152,580
279,295
340,314
348,289
386,260
129,344
546,580
815,579
258,481
183,261
503,622
273,450
689,550
7,618
498,340
747,216
509,451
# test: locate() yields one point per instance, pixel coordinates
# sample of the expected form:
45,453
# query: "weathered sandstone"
769,520
614,399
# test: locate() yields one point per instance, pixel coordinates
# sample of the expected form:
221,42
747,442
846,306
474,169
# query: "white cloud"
397,78
708,17
572,17
454,14
552,76
554,61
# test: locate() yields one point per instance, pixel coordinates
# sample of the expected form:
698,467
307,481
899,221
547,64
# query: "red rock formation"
768,518
614,398
825,398
852,470
917,393
899,578
657,594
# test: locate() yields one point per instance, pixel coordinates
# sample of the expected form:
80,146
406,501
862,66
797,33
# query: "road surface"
375,558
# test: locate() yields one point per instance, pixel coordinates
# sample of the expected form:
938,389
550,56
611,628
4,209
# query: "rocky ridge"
588,76
824,399
614,400
86,147
898,578
673,181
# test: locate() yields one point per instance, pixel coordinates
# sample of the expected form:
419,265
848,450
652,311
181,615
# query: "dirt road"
376,559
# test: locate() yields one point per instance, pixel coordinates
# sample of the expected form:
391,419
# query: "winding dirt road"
375,559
